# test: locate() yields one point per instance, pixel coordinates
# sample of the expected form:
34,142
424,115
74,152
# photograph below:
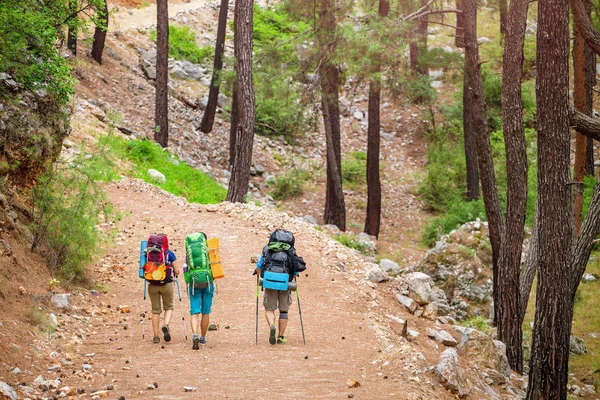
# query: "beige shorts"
156,292
274,299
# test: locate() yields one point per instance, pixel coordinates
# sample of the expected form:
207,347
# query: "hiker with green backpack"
277,269
200,284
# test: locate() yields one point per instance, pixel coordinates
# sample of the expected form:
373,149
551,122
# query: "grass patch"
353,243
479,323
181,179
183,45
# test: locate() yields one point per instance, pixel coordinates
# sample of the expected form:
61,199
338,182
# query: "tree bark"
233,126
373,217
484,151
509,265
245,108
580,100
161,111
503,17
335,208
100,34
548,372
530,268
459,39
418,46
470,145
208,119
584,124
72,29
590,82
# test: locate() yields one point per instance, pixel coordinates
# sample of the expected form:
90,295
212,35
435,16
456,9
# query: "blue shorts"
201,299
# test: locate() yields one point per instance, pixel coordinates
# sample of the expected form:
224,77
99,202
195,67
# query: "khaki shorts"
273,298
156,292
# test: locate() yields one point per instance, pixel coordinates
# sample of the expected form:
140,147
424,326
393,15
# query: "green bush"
289,185
457,214
181,179
29,32
183,46
354,169
67,208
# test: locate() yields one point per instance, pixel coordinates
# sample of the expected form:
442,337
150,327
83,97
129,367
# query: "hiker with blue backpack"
202,267
277,268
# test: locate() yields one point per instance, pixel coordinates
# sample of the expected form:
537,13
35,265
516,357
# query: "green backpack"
198,273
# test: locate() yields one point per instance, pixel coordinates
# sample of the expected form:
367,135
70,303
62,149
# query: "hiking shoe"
281,340
196,345
272,338
202,340
167,333
156,340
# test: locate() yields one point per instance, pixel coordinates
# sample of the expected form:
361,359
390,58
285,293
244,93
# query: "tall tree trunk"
233,126
419,46
548,373
161,111
590,82
72,28
503,17
335,208
100,34
208,119
373,217
245,107
459,39
579,95
509,265
482,137
470,145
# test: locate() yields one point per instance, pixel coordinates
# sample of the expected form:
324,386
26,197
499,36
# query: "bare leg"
282,326
270,317
204,324
195,321
168,314
155,323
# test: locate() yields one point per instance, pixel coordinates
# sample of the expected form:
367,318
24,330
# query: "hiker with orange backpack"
277,267
159,269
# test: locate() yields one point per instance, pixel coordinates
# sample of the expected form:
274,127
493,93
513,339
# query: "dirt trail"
146,17
340,344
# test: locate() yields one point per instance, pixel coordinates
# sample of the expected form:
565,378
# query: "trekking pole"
144,314
181,308
300,311
257,278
